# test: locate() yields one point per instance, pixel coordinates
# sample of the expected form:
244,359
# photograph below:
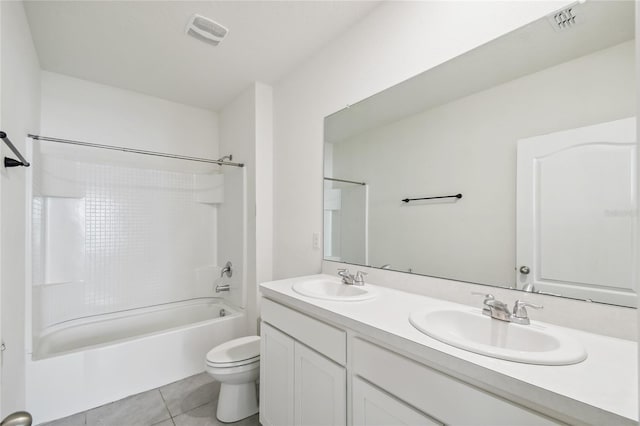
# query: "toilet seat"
255,360
235,353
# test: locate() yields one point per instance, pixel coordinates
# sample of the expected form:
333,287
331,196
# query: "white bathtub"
85,363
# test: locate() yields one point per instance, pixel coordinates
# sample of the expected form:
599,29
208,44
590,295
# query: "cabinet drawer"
324,338
440,396
374,407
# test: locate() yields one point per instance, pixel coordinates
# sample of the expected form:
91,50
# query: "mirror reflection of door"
576,206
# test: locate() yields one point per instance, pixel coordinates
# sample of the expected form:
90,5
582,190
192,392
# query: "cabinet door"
321,389
373,407
276,377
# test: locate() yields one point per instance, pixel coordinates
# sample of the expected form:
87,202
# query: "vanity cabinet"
305,379
302,374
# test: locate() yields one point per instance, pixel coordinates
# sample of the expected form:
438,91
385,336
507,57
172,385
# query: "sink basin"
333,290
470,330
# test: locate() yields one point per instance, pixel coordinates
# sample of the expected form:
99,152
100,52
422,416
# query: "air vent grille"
206,30
564,19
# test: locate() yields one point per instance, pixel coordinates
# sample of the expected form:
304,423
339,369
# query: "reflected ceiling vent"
566,18
205,29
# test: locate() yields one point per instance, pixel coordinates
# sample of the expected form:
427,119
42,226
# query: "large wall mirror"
512,165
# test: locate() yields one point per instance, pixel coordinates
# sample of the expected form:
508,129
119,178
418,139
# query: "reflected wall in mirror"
535,130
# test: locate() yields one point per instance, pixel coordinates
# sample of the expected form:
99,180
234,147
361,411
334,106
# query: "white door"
576,201
373,407
276,377
320,389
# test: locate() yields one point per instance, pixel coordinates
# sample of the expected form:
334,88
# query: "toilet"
236,365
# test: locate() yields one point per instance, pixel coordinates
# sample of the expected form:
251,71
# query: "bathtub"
80,364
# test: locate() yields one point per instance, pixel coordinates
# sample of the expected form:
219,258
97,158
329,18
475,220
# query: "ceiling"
141,45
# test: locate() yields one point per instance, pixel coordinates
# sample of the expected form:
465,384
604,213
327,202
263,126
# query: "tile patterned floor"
189,402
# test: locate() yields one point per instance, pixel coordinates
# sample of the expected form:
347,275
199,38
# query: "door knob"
524,270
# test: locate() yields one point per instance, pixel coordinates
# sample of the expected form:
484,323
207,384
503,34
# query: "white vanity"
361,362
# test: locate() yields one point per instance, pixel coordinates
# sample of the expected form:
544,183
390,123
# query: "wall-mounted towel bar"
134,151
406,200
10,162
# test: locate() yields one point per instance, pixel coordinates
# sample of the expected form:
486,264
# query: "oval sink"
472,331
333,290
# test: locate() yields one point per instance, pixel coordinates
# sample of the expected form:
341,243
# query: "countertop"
603,389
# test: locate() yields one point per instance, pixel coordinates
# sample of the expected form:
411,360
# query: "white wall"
237,137
638,162
264,195
396,41
82,110
473,239
19,115
245,132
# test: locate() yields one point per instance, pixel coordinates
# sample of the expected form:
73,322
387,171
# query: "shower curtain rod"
134,151
345,181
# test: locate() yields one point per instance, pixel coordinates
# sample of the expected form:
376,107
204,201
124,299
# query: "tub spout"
224,287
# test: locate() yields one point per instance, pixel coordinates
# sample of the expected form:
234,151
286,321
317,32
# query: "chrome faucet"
224,287
226,270
499,310
520,315
349,279
486,309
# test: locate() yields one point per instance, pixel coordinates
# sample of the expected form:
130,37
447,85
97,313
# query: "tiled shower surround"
110,237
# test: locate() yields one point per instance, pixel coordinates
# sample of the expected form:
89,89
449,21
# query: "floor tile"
205,415
144,409
168,422
78,419
249,421
190,393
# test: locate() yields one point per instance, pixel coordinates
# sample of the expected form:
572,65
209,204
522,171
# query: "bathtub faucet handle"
226,270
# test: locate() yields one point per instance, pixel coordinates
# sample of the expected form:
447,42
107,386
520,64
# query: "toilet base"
237,402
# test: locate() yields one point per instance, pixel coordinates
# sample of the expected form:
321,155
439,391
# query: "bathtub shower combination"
126,254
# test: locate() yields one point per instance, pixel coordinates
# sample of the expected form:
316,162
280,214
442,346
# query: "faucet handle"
519,308
343,271
359,278
520,315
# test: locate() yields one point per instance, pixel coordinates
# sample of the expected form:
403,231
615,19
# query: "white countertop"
603,389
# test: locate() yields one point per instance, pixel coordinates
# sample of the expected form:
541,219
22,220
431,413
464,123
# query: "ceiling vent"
565,19
205,29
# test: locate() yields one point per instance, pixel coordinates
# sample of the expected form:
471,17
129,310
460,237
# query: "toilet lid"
234,351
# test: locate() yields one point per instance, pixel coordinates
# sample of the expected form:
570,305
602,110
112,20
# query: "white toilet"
236,365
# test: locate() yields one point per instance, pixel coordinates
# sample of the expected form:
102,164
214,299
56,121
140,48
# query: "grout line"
166,406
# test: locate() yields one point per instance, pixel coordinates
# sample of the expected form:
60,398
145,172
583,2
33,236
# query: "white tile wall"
108,237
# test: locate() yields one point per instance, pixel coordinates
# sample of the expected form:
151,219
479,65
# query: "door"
276,377
576,202
320,389
373,407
